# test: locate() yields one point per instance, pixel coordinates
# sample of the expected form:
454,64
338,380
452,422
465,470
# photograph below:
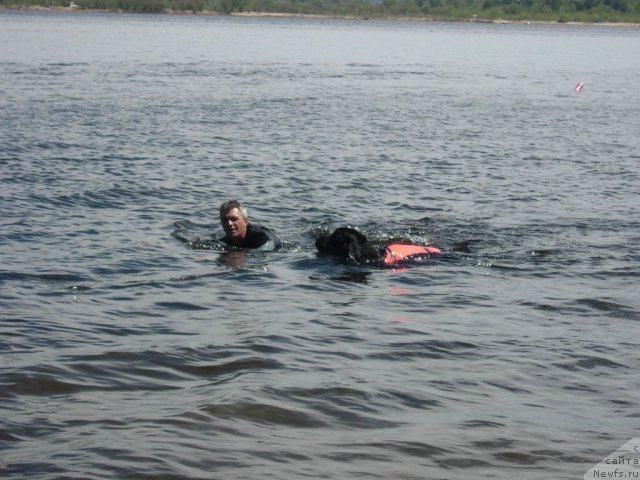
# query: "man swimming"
240,233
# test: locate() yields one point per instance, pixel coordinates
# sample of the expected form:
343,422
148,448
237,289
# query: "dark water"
127,353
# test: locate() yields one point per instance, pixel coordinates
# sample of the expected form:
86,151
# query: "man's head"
234,219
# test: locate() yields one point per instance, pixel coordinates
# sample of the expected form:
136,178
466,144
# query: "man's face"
234,225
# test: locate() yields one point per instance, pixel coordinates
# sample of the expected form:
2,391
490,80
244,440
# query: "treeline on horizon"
474,10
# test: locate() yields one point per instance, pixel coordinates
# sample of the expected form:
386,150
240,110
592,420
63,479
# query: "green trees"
478,10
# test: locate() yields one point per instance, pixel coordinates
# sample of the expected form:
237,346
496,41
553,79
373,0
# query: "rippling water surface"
131,348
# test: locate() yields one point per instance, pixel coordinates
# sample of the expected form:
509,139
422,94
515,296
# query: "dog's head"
347,244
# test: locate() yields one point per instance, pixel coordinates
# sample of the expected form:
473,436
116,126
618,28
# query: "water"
128,353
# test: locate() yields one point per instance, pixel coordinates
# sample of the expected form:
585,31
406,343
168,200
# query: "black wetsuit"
256,237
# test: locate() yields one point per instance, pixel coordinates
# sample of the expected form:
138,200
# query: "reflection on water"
353,276
232,259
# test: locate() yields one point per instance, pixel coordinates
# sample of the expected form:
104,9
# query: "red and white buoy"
579,87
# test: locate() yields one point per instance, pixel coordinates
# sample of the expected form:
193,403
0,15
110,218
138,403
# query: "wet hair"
230,205
349,245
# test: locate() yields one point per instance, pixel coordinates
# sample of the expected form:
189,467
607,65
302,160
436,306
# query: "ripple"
461,462
612,308
426,349
518,458
481,424
416,449
44,277
39,385
263,413
233,367
181,306
590,363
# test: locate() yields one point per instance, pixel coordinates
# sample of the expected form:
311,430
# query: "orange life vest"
396,252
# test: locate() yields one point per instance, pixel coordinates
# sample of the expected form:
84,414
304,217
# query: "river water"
131,348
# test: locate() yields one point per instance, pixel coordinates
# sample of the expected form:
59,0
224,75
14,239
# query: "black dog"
350,246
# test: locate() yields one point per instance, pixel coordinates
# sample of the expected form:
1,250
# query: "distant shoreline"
428,19
321,16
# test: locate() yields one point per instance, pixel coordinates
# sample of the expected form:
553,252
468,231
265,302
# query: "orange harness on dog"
397,252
